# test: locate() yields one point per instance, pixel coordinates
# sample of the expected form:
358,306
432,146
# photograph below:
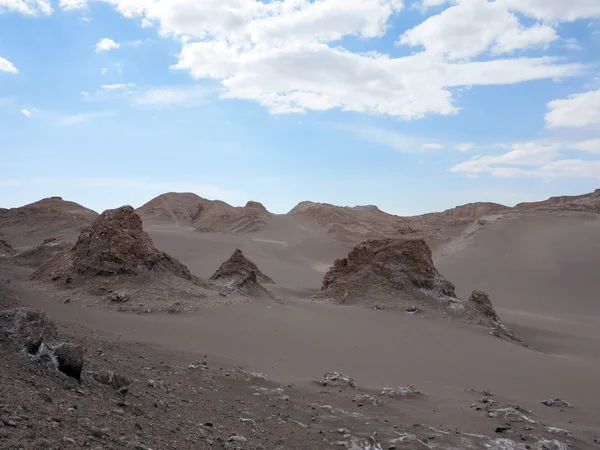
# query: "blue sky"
414,106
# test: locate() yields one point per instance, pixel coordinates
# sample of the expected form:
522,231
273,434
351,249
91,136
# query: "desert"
446,330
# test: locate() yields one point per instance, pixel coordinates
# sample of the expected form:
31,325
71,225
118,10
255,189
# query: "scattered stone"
560,431
43,443
237,438
139,446
411,310
45,396
557,402
68,441
336,379
118,297
119,383
400,392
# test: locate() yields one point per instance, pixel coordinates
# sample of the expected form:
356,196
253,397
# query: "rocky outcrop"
115,244
384,268
241,274
479,309
6,249
38,255
32,331
206,216
239,267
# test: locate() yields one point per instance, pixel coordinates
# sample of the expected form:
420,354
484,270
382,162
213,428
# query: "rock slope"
239,273
115,258
390,271
204,215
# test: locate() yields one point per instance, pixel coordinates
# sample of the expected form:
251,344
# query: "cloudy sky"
413,105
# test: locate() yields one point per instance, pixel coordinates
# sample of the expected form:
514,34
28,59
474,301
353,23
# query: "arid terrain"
189,323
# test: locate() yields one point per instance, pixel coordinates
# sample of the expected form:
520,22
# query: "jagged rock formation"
32,331
480,310
6,249
45,218
238,266
383,271
399,273
204,215
239,273
38,255
114,261
115,244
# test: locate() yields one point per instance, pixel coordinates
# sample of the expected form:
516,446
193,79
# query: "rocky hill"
241,274
49,217
204,215
400,274
114,258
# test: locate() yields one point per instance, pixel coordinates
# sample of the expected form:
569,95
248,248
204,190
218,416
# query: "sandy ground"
540,269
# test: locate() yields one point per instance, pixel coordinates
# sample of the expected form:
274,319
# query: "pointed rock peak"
114,244
239,268
479,309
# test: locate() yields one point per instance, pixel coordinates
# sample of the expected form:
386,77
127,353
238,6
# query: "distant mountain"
204,215
50,217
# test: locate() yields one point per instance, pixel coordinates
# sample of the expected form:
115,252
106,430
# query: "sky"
415,106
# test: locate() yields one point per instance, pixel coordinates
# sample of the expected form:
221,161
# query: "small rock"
45,396
502,429
99,432
68,441
237,438
411,310
377,308
400,392
557,402
43,443
139,446
8,422
118,297
336,379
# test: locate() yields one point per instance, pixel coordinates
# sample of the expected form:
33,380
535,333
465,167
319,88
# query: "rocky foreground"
64,388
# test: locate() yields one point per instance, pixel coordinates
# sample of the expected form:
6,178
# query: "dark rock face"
28,327
114,244
400,264
241,270
69,359
32,331
480,310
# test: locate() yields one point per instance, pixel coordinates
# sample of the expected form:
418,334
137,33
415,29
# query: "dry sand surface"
539,268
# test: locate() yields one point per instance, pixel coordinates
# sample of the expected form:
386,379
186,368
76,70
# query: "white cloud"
168,96
472,27
104,71
72,4
432,146
590,146
26,113
26,7
578,110
136,43
284,54
116,87
547,10
105,44
7,66
465,147
556,10
535,160
77,119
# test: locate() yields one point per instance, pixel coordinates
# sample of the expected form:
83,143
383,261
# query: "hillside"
50,217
